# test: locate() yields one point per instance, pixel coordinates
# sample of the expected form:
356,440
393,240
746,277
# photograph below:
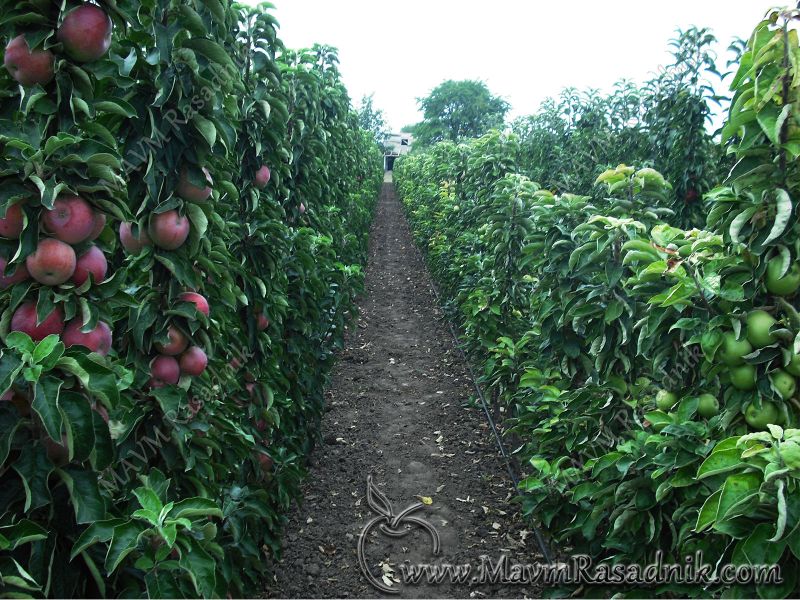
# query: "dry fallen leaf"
426,500
389,578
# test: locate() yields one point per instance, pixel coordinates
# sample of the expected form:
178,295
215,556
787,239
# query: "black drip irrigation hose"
543,547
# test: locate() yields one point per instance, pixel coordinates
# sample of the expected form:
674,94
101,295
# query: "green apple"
783,383
732,350
707,406
743,377
760,418
665,400
759,323
782,286
793,367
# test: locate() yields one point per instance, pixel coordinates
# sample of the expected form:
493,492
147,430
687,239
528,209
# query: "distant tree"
371,119
678,116
456,110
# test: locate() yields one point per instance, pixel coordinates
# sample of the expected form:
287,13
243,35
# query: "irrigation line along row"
498,439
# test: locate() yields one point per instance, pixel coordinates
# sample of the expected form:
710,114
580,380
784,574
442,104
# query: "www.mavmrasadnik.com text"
580,569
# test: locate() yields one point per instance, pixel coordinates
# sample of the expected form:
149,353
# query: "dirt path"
397,411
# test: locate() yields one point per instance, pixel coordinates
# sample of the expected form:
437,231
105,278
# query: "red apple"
262,177
261,425
92,262
194,361
19,274
177,342
97,340
132,243
265,461
71,220
57,453
99,225
169,230
235,363
262,322
20,402
52,263
11,224
28,68
191,192
302,208
251,388
199,301
86,33
24,320
164,370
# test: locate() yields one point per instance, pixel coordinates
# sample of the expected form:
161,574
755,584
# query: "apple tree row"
184,207
647,373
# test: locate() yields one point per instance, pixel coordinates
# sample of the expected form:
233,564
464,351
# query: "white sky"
525,50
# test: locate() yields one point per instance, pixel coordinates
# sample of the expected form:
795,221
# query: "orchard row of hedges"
647,371
190,200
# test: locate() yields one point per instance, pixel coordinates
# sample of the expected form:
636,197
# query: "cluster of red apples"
71,223
169,231
177,357
84,34
65,253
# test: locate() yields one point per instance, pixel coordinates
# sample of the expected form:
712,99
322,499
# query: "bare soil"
398,408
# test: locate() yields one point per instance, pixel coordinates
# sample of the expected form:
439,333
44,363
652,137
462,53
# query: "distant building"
396,145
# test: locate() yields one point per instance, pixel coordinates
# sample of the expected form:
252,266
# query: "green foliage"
663,124
609,334
111,484
456,110
371,119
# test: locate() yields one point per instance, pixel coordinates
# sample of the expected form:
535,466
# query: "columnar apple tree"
176,273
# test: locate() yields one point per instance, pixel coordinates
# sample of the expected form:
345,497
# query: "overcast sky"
525,50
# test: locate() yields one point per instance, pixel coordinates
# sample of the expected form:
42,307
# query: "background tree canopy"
371,119
456,110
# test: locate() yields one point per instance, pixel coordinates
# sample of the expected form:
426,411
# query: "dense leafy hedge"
113,482
648,371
